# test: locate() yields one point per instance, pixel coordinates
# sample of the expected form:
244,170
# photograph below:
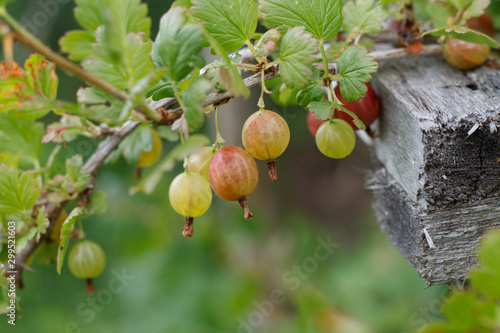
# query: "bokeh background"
227,277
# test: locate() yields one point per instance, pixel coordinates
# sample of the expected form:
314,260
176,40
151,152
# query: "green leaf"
28,94
41,76
476,8
24,137
177,44
362,17
321,18
463,33
485,279
66,230
18,191
439,13
107,25
311,93
461,4
77,178
161,90
78,44
42,223
466,311
192,98
97,205
322,110
182,3
230,22
23,240
297,53
489,250
134,64
88,14
355,67
10,160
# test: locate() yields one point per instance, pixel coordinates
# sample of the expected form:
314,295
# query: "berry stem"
188,228
138,173
325,60
252,49
261,103
220,140
271,167
244,204
90,287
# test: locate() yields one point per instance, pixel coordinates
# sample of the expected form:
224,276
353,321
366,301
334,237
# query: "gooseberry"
55,234
200,162
233,175
190,195
146,158
87,260
335,138
464,55
265,136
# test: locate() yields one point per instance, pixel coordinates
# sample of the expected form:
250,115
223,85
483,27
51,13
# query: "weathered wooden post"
437,187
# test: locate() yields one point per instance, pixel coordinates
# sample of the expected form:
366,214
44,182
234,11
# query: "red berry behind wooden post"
367,108
265,136
313,123
233,175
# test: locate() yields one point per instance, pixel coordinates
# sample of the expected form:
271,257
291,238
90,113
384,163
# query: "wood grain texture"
431,172
455,232
428,110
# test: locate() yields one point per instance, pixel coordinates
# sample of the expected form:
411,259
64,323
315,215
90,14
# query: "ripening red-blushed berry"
464,55
265,136
233,175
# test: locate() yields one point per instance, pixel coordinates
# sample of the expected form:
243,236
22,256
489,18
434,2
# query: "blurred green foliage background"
226,278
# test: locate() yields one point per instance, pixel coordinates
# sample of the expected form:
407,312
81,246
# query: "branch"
381,55
164,116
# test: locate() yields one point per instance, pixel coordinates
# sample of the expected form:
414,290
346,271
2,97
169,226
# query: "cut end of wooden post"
188,228
244,204
271,167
